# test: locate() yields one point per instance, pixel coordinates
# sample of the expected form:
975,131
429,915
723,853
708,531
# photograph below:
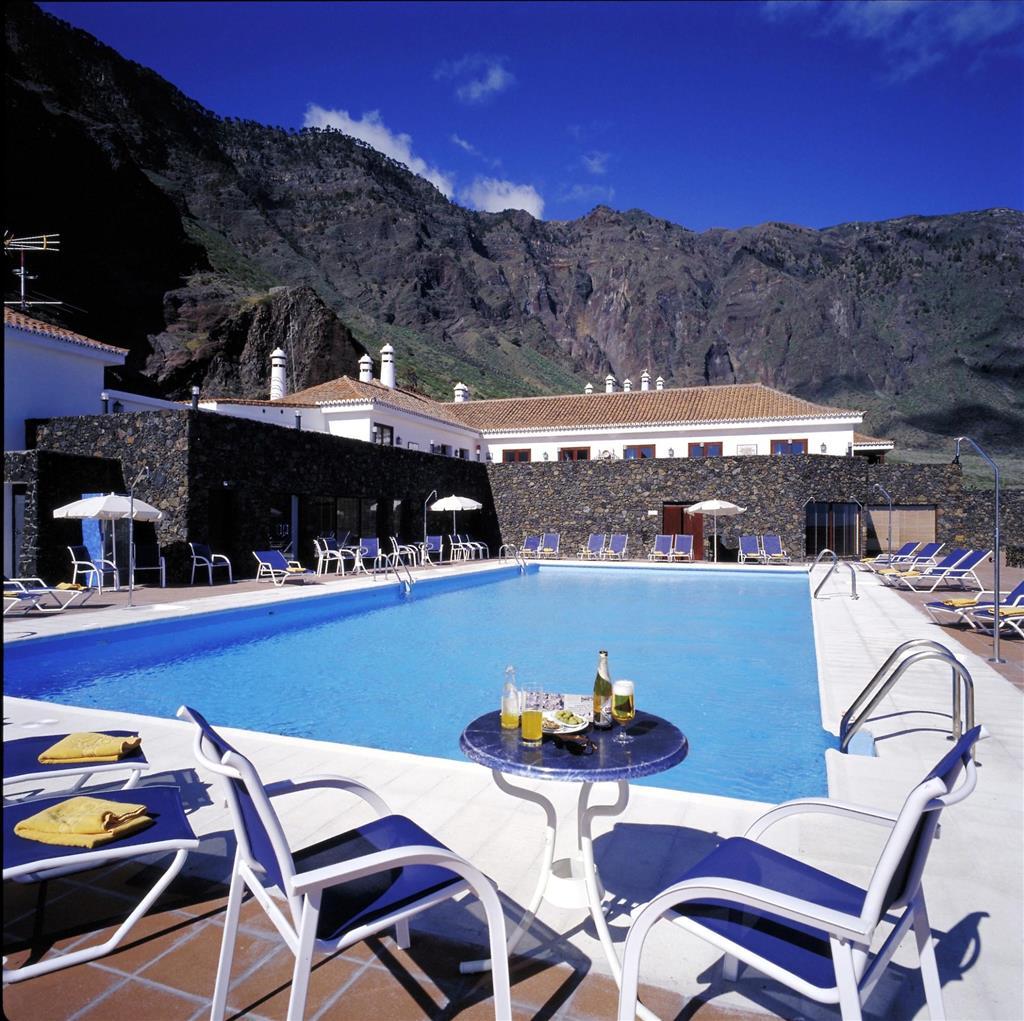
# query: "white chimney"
461,393
589,388
366,369
278,380
659,384
627,385
645,380
387,366
609,384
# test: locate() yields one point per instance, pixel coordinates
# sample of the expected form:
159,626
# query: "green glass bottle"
602,693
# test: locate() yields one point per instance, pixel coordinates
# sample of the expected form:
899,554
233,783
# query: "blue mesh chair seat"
22,765
682,547
341,890
274,566
28,861
801,926
662,548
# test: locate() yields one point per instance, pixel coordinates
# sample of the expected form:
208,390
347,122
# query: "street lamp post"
994,658
141,477
885,493
433,493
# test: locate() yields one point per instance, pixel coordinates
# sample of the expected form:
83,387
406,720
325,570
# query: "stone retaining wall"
578,498
192,454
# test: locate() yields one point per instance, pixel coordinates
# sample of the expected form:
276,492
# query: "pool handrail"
902,658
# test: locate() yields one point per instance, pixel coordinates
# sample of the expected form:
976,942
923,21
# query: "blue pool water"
726,656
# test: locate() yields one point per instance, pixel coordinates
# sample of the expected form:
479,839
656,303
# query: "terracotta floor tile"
379,995
57,996
192,965
265,992
150,937
541,985
136,1001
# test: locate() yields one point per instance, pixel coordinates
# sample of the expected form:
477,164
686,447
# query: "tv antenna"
34,243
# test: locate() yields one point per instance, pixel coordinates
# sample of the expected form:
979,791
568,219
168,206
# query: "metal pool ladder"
832,570
396,564
509,549
901,659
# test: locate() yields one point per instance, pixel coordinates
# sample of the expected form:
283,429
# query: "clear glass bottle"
510,702
602,693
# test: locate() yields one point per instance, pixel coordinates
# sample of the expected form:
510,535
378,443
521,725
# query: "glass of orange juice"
532,717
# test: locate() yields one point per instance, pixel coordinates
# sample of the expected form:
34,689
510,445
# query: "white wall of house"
311,419
46,378
412,431
672,441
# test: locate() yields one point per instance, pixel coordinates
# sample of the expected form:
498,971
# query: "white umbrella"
112,507
455,503
717,509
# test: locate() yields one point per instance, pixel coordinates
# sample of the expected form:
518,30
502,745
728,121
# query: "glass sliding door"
834,526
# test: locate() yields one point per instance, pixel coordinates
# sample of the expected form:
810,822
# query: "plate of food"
562,721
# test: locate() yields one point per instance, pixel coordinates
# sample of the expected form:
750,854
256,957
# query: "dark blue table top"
657,745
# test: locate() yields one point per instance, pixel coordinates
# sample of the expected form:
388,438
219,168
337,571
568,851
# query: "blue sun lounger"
275,567
549,545
682,547
593,547
27,595
662,548
750,549
959,573
27,861
616,549
531,544
961,611
22,765
773,550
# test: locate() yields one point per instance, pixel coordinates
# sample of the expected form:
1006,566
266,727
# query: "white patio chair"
343,889
204,557
803,927
82,563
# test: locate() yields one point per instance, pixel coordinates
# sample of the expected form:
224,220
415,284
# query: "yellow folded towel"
84,822
548,549
296,570
957,603
70,586
85,747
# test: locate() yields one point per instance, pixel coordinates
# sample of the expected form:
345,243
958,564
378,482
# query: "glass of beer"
532,716
623,709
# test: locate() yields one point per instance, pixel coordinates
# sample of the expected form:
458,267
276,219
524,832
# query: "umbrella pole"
715,517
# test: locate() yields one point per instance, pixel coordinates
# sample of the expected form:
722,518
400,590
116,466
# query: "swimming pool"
727,656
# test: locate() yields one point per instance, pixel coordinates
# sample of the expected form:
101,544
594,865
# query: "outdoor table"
657,745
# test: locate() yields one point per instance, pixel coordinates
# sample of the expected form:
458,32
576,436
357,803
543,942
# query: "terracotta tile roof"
344,388
736,402
23,322
729,403
863,440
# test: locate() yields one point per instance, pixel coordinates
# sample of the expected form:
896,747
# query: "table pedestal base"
567,884
562,879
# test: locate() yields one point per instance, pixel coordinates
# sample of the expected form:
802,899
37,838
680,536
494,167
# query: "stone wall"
51,480
578,498
194,455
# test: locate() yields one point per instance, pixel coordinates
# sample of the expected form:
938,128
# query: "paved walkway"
974,879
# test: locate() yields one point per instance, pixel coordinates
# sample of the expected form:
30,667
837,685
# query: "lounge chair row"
979,612
762,549
957,567
379,875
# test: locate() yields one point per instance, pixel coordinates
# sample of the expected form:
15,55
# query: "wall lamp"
105,398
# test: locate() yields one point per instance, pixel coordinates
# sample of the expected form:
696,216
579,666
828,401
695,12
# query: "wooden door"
674,521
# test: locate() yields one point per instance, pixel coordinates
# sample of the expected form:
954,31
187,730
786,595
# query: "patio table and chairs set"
781,916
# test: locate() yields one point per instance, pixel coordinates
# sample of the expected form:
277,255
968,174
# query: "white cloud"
912,35
490,195
596,162
464,145
479,76
372,130
588,193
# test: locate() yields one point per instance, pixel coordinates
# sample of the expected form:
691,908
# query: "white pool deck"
973,881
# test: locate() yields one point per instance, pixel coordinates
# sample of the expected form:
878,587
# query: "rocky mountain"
200,243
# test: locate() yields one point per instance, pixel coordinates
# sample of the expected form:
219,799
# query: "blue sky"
707,114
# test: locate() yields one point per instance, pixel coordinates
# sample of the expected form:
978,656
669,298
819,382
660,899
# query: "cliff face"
178,225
